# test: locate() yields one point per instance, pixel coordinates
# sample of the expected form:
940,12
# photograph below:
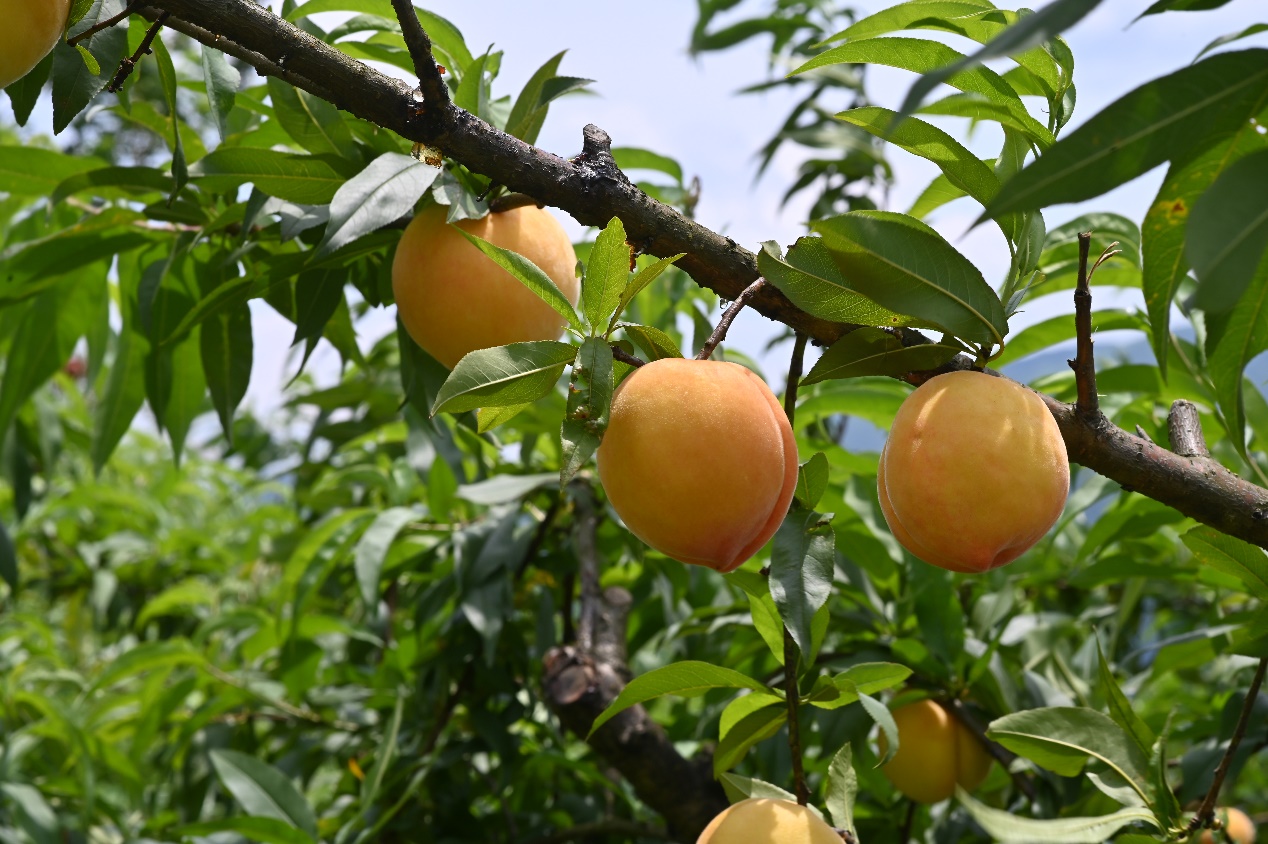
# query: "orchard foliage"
331,626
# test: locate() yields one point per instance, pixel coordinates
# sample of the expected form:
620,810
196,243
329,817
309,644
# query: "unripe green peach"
31,30
761,820
1237,826
974,472
699,460
453,299
935,753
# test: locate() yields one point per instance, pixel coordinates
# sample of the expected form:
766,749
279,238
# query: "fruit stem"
1206,812
728,317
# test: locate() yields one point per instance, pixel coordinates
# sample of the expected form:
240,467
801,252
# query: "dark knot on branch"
596,155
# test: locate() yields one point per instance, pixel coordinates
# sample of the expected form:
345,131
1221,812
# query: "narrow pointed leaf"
1011,829
843,788
263,790
1244,337
221,81
384,191
530,275
1231,556
1228,233
504,376
812,480
639,282
372,549
1167,118
871,351
607,271
685,679
901,263
810,278
801,572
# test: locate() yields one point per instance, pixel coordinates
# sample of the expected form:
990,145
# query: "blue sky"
651,93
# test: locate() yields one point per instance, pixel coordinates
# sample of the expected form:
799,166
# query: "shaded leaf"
1011,829
503,375
263,790
384,191
801,571
1231,556
1228,233
871,351
810,278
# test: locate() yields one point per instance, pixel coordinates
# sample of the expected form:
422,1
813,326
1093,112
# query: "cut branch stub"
1184,427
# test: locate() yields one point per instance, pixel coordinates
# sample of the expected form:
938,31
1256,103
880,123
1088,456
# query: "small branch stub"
1084,364
1184,427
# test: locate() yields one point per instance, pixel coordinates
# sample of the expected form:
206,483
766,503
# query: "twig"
290,709
445,711
905,835
728,317
610,827
126,66
1001,754
791,652
1206,812
100,25
625,357
1143,434
539,536
584,526
1084,364
430,82
1184,429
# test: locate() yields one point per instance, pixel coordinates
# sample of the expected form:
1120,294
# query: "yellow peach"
32,29
699,460
762,820
935,753
1238,826
453,299
974,472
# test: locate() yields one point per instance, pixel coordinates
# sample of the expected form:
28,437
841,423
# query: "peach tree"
407,610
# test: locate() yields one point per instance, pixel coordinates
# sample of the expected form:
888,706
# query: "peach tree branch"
593,192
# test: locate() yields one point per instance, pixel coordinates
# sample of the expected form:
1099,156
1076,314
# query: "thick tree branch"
593,193
581,681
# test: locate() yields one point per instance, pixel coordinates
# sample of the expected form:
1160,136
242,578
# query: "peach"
453,299
762,820
699,460
935,753
1237,826
33,27
974,472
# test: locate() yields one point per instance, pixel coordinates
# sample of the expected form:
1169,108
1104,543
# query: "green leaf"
589,405
74,84
685,679
1254,29
812,480
90,61
1060,739
221,81
25,93
633,158
1244,337
901,263
263,790
607,274
638,283
871,351
801,571
167,76
843,788
885,720
938,193
152,656
1011,829
923,56
1228,232
313,123
49,327
503,376
964,169
384,191
1120,708
653,342
226,347
1168,118
263,830
528,274
866,677
809,277
304,179
1029,31
1231,556
8,560
133,180
752,728
739,788
176,600
1181,6
372,549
